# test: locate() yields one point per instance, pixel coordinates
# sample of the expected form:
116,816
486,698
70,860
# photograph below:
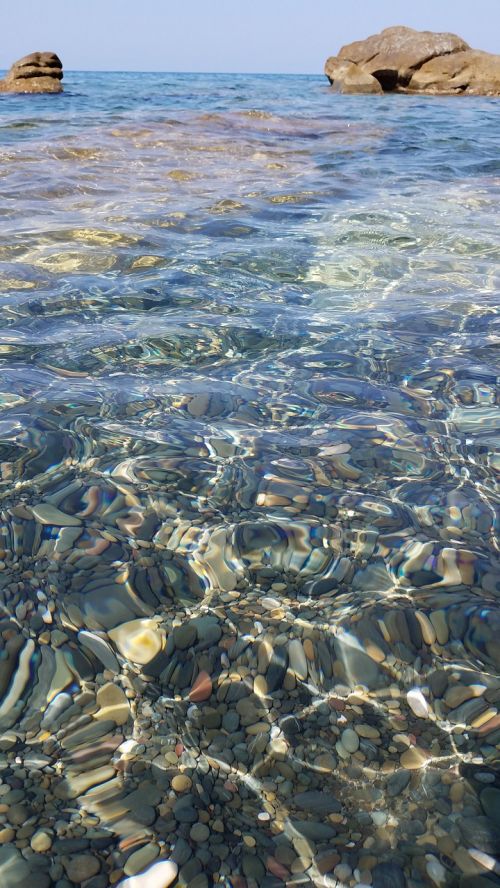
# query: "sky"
289,36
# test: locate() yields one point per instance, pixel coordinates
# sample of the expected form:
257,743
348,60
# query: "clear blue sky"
224,35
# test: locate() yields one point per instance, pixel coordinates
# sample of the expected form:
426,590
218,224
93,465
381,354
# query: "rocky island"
39,72
400,59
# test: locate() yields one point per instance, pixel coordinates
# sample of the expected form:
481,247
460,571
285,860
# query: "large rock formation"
39,72
406,60
473,72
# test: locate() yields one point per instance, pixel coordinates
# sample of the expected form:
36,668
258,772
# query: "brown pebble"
202,688
181,783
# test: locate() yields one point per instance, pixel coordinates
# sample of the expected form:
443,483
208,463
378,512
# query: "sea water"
249,570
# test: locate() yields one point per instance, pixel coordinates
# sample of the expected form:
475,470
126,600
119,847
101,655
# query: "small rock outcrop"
39,72
404,60
346,77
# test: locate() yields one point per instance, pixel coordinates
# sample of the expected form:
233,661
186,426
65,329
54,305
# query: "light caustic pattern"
249,570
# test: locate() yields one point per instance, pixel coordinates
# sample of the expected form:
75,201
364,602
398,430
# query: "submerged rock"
39,72
403,59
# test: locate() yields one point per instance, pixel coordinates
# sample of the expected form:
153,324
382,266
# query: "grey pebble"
388,875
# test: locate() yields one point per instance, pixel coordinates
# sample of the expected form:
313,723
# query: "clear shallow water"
249,398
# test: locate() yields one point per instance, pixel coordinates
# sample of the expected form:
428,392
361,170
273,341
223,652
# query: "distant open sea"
249,558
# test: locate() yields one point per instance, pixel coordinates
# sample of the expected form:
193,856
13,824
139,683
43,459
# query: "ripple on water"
249,568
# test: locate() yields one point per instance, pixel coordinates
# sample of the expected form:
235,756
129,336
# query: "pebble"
490,803
181,783
350,740
199,832
297,659
159,875
6,835
140,859
388,875
113,704
41,841
413,758
81,867
417,703
138,640
201,689
46,513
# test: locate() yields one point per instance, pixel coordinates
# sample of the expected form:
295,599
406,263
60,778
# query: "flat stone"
141,858
113,704
81,867
46,513
480,833
414,758
297,659
398,782
313,830
101,649
317,801
138,640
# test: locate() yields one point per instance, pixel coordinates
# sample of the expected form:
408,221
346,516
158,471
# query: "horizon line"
156,71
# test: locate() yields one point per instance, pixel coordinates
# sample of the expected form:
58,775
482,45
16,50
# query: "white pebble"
417,703
435,870
160,875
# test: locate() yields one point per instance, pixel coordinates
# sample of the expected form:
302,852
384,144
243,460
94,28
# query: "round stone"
81,867
350,740
41,841
181,783
199,832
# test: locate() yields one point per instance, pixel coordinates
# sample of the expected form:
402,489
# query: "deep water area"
249,558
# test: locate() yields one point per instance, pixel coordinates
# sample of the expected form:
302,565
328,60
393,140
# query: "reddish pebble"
277,868
201,689
179,749
335,703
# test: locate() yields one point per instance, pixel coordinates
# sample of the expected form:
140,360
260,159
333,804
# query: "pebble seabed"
274,731
249,636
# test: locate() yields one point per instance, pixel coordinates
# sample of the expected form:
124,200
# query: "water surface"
248,455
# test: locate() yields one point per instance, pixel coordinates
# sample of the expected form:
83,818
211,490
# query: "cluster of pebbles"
307,699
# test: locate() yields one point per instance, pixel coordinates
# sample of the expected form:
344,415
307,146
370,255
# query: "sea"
249,558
